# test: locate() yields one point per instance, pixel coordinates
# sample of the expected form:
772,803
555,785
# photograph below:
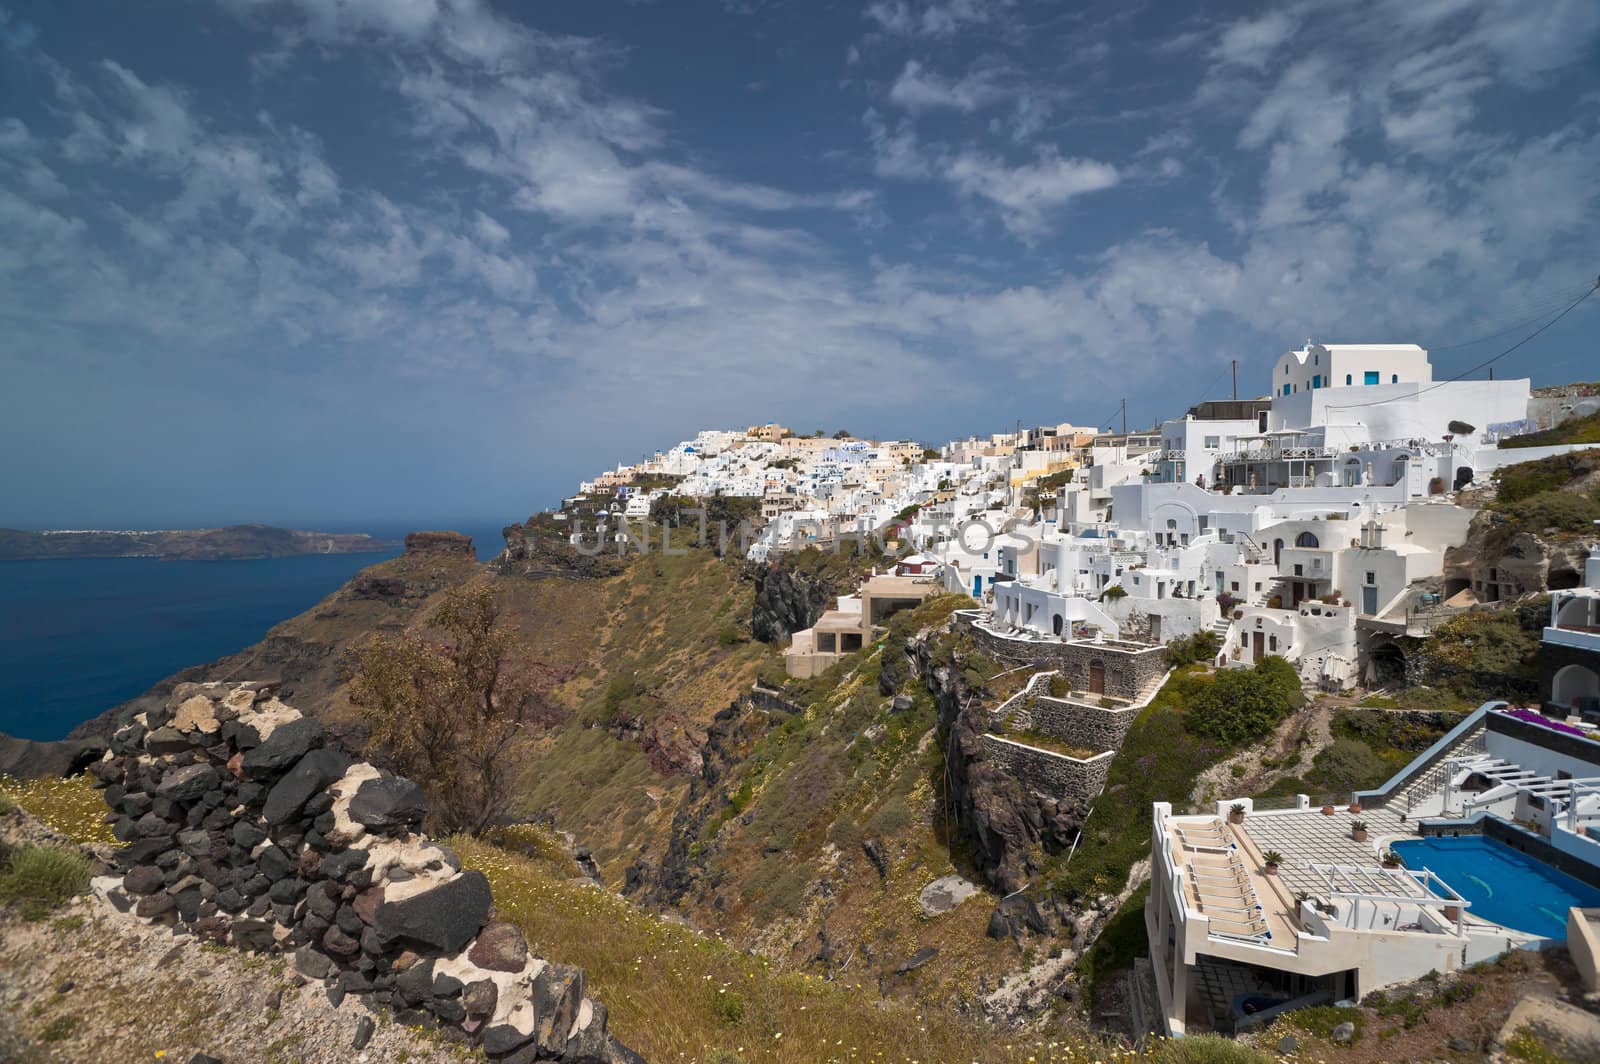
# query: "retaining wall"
1047,773
242,825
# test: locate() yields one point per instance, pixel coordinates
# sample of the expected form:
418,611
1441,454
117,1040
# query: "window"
1347,378
1213,442
1371,377
1285,389
1236,585
1307,539
1394,378
1372,578
1272,643
1316,381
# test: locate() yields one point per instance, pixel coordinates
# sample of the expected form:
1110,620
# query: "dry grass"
71,806
677,995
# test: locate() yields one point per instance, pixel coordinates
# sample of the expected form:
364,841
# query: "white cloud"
936,18
1253,42
918,89
1028,194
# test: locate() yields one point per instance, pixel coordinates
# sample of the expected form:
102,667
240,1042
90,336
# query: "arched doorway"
1463,477
1277,552
1386,666
1576,686
1097,677
1055,624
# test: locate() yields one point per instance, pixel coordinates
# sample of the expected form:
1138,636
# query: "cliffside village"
1314,523
1311,523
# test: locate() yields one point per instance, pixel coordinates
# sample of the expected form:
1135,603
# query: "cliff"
202,544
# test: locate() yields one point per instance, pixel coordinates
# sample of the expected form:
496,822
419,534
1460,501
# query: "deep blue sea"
79,636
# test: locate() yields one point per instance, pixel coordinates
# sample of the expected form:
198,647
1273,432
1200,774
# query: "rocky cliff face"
537,548
1508,566
787,601
1006,823
244,827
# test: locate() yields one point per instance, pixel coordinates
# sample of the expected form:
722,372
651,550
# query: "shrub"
1059,687
1201,647
729,636
42,877
1320,1020
1113,593
1244,704
1347,765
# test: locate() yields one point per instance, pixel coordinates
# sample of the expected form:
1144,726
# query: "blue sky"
373,260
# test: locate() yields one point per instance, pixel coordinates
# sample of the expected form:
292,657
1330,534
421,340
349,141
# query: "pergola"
1564,793
1392,886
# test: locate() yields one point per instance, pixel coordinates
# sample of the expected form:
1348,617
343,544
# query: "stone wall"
1129,667
1046,773
241,824
1090,727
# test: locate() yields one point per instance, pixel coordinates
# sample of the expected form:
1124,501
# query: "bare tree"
447,706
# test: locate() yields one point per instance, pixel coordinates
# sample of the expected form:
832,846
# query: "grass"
71,806
674,994
1122,939
1159,762
1050,743
42,877
1526,1045
1320,1020
1584,429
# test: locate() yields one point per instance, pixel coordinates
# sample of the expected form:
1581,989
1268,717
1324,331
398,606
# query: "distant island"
235,542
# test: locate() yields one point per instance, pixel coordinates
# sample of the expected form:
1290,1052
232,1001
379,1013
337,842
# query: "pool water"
1504,885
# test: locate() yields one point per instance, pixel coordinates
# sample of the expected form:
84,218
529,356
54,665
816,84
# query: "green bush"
1200,648
1245,704
1561,510
42,877
1347,765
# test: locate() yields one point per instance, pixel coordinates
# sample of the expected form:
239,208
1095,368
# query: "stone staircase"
1144,1003
1431,779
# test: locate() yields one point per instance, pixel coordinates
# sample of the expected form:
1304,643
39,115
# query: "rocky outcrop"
439,543
1501,565
533,548
1005,821
787,601
242,825
29,759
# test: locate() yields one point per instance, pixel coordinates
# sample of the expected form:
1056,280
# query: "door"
1097,677
1369,600
1258,644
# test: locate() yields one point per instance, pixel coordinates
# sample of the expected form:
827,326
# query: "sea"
78,636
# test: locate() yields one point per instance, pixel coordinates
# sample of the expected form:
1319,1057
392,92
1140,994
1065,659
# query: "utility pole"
1235,363
1124,420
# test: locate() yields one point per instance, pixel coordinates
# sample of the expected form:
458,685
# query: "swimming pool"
1504,885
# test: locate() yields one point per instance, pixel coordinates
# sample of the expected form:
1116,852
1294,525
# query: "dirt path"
1308,731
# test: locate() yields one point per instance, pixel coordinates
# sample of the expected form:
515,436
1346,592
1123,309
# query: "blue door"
977,585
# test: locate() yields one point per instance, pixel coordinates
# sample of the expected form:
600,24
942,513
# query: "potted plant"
1358,831
1236,813
1391,859
1327,810
1355,807
1272,859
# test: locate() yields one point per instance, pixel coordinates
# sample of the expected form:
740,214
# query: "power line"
1532,315
1481,365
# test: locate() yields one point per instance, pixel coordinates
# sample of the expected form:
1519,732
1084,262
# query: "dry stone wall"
1046,773
240,823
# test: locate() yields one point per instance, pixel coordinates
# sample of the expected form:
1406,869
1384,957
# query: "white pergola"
1392,886
1563,793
